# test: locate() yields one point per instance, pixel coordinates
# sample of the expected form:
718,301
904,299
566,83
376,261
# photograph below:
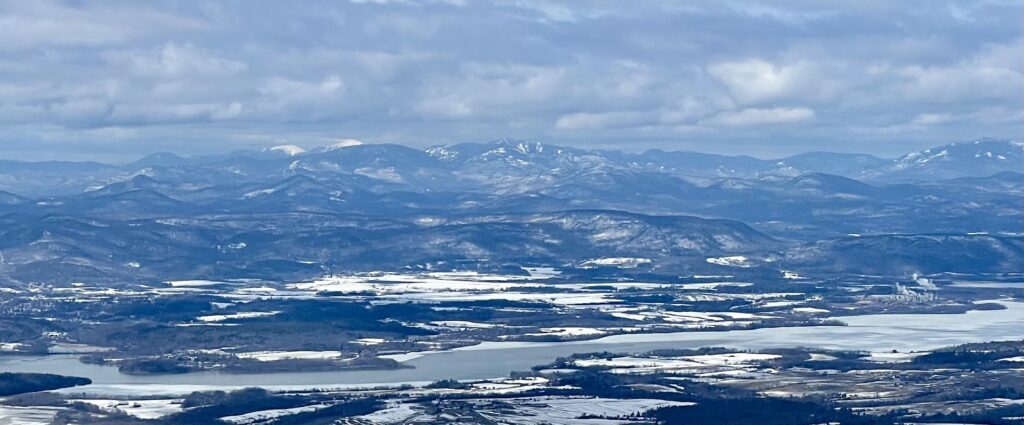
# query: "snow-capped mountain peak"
442,152
981,149
978,157
343,143
290,150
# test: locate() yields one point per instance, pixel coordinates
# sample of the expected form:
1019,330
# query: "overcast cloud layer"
112,81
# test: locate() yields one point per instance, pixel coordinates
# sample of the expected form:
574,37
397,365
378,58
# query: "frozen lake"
904,332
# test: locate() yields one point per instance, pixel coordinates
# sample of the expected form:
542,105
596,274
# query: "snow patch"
142,409
810,310
241,315
620,262
269,356
893,357
731,261
192,283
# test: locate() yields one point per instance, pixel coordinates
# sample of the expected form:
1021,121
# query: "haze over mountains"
285,212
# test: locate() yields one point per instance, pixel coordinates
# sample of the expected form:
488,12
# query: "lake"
880,332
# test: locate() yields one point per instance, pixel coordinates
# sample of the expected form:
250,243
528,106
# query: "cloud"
753,81
748,76
789,16
547,10
173,60
36,24
142,114
761,116
490,89
985,115
600,121
930,119
281,90
80,110
994,72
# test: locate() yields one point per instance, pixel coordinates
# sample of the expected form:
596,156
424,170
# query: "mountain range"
285,212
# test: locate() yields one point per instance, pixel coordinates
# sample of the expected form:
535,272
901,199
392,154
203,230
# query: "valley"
513,282
365,321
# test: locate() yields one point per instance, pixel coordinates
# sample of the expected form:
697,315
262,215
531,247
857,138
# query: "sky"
112,81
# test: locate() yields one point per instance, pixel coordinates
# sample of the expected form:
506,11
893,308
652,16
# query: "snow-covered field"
570,332
893,357
472,286
683,364
397,283
142,409
561,298
394,413
12,415
264,415
269,356
687,319
732,261
620,262
461,324
11,346
710,286
810,310
235,316
192,283
567,410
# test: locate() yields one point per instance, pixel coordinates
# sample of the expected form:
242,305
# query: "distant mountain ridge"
977,158
506,163
289,213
